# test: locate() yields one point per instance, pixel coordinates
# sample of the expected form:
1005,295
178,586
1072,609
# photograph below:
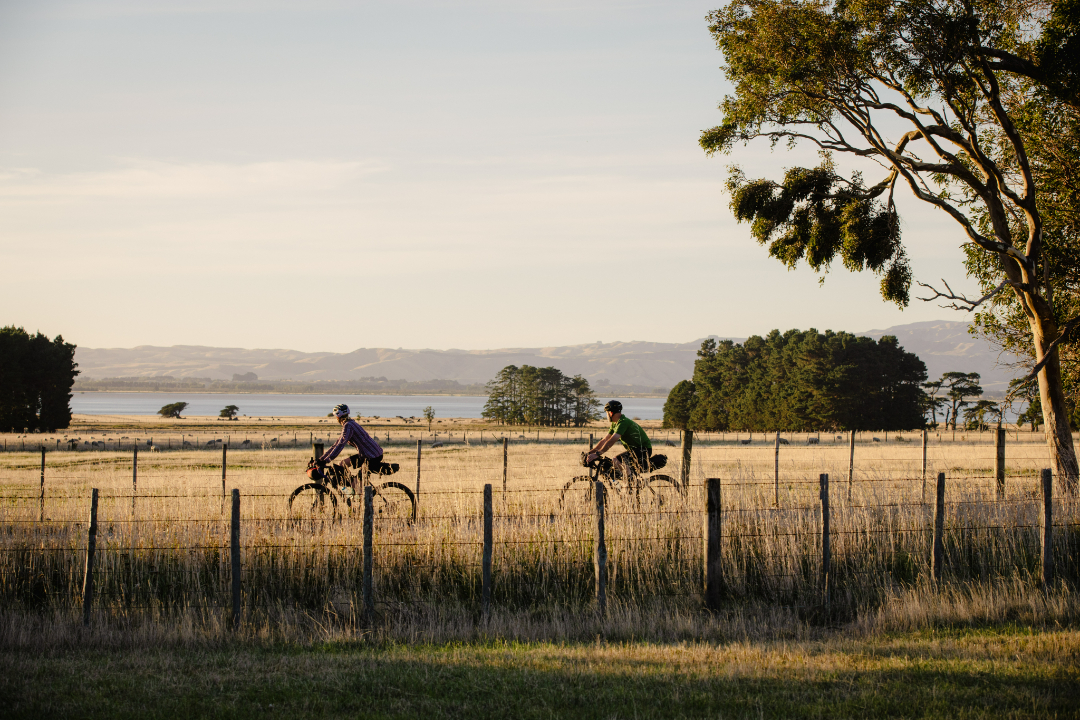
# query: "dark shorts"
355,461
637,457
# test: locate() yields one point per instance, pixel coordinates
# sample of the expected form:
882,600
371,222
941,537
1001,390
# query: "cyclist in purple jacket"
352,434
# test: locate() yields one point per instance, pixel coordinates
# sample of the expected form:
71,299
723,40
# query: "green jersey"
631,435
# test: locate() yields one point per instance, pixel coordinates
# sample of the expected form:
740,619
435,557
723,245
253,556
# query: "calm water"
108,403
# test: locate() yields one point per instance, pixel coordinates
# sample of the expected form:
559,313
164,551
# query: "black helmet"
613,406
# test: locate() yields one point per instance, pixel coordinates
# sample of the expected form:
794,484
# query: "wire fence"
524,528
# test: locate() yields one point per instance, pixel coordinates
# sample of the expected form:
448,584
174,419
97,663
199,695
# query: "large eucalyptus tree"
924,93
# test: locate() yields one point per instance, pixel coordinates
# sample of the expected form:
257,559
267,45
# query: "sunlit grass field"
163,540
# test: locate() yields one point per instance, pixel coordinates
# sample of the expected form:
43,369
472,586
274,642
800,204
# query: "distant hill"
943,346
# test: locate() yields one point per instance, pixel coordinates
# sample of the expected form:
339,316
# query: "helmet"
341,410
613,406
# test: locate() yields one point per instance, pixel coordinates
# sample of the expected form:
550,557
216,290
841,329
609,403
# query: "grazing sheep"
744,442
812,441
669,443
783,441
877,439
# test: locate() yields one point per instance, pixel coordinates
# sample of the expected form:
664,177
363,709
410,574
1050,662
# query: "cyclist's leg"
624,466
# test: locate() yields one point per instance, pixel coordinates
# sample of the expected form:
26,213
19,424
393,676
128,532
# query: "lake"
255,405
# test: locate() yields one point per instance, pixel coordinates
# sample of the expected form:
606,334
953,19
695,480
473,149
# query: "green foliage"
975,417
540,396
429,415
229,411
815,215
958,388
36,375
172,410
680,405
804,381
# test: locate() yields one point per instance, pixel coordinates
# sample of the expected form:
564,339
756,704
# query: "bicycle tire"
663,487
313,503
389,503
570,488
661,478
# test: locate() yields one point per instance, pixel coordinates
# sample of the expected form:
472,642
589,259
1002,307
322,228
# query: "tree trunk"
1059,438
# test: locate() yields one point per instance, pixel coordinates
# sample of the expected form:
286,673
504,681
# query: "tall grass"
163,560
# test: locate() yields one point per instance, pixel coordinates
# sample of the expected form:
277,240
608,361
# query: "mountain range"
942,345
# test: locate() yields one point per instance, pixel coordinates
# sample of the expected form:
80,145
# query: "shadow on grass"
531,681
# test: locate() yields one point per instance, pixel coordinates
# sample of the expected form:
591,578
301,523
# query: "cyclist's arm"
606,443
337,447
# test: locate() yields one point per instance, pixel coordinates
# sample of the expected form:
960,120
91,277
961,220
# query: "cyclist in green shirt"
633,438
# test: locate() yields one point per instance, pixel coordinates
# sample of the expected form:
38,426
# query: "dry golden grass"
163,554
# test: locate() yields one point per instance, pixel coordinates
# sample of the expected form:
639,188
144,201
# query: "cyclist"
638,448
351,433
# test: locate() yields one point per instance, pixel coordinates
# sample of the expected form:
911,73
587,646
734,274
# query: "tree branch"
967,305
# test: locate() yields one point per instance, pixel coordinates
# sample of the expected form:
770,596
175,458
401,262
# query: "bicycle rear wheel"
394,501
665,490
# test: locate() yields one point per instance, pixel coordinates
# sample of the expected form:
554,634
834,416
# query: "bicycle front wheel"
313,502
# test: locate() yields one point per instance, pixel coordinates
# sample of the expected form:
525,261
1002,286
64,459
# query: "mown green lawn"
985,673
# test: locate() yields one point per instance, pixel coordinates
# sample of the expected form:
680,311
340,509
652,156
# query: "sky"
324,176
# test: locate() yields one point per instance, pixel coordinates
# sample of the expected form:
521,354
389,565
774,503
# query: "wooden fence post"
826,548
924,437
1000,464
316,450
485,593
224,466
369,559
1046,528
776,470
600,553
418,472
713,523
41,517
506,442
91,546
938,558
134,476
687,450
851,464
234,557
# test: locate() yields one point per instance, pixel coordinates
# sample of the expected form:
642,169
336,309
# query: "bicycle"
335,486
660,487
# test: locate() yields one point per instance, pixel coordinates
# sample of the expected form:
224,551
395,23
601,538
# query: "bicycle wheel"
394,501
313,502
665,490
581,486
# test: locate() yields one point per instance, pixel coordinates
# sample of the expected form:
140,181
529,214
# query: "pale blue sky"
333,175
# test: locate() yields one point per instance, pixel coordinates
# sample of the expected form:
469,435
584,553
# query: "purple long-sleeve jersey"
353,434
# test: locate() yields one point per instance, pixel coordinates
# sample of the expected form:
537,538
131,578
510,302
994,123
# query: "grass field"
987,640
1006,672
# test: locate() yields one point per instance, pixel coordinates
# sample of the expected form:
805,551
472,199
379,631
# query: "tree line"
530,395
801,381
36,375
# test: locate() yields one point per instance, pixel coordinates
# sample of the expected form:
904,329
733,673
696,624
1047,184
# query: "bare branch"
967,305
